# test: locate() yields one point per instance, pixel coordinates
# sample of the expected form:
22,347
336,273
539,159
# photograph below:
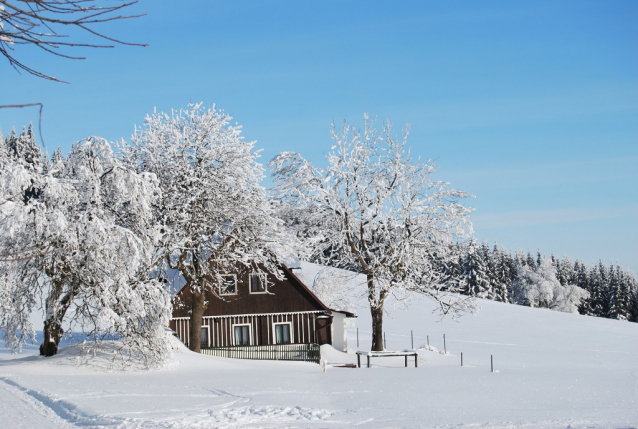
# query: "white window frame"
264,279
250,333
274,332
222,287
207,334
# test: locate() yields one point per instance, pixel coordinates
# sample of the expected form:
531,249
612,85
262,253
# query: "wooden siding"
306,328
288,295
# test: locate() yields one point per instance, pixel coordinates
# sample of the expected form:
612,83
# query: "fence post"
428,339
444,345
492,362
412,337
461,358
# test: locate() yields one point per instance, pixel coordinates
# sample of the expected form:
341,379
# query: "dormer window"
257,283
229,285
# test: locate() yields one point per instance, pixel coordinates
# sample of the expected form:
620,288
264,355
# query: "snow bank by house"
554,370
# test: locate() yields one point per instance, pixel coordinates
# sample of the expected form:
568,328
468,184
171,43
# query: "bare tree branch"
34,22
19,106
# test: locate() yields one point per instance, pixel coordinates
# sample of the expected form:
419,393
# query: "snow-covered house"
259,309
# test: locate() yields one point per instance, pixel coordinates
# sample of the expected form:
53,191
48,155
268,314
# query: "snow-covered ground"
552,370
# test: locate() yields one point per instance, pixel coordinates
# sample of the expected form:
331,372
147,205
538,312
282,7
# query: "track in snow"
21,410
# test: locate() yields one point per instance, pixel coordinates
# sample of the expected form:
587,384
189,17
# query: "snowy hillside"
552,370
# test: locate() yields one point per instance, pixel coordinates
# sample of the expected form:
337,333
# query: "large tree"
375,210
78,235
213,211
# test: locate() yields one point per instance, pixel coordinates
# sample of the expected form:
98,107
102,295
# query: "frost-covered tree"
328,286
80,237
539,287
378,211
213,212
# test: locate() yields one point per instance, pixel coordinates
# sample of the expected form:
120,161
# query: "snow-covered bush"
537,286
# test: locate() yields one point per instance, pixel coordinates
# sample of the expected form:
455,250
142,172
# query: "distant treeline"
526,279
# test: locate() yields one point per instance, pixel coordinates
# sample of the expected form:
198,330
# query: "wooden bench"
404,353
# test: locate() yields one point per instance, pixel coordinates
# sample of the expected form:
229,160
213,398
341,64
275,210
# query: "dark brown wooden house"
254,309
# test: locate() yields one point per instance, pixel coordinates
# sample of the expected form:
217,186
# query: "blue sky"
530,106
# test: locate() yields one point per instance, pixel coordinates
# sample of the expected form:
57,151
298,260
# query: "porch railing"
296,352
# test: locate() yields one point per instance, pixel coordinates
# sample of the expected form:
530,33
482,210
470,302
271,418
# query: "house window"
242,335
257,283
205,342
282,333
229,285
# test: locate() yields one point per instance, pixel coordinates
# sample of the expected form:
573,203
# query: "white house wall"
339,334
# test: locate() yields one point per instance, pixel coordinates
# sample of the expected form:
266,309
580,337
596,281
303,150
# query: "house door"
205,342
322,330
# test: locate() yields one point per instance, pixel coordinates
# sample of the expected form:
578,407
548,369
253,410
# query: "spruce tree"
474,275
501,274
569,270
488,280
4,153
25,149
581,277
614,294
633,287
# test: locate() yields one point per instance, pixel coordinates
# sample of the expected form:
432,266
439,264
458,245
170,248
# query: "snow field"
554,370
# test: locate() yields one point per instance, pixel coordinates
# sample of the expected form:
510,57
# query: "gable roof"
299,286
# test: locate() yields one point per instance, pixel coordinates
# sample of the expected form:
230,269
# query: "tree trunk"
377,328
52,335
197,315
376,310
56,308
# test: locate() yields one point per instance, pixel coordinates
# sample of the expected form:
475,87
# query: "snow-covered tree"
378,211
633,301
620,293
539,287
502,273
565,271
581,279
598,288
475,275
213,212
80,236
